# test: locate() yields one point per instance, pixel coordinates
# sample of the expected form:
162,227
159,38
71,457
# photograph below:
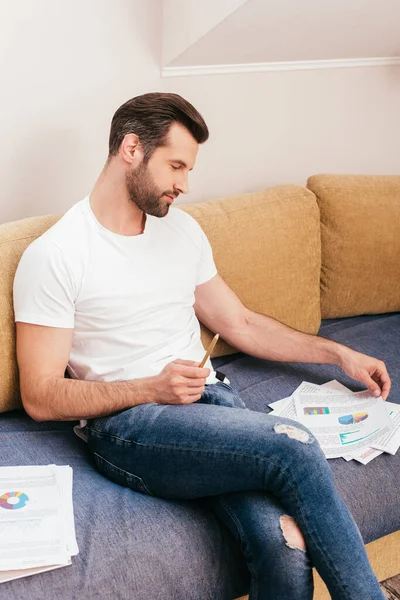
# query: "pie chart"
352,419
13,500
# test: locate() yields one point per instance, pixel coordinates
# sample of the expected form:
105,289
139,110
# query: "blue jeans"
250,468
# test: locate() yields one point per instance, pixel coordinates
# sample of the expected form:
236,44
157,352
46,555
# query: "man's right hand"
180,382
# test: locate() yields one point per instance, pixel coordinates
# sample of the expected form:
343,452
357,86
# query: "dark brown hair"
150,116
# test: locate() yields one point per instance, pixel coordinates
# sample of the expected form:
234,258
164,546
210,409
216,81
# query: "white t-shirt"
129,299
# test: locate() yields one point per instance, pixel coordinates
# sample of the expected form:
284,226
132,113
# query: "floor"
391,588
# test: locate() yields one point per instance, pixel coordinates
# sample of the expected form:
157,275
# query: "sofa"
324,259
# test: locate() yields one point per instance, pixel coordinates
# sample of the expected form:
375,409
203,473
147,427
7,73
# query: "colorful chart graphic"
5,500
316,410
351,419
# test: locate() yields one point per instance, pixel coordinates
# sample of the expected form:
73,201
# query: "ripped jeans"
251,469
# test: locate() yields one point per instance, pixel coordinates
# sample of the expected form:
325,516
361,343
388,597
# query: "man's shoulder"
187,227
183,218
67,230
65,237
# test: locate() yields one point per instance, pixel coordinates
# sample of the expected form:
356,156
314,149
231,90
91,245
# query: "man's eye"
175,168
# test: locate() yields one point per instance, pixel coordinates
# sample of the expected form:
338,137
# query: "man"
123,281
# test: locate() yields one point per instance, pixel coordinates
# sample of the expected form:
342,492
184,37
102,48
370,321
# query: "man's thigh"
195,450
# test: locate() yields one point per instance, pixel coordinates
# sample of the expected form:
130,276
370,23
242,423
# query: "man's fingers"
378,383
383,380
190,368
386,390
195,382
182,361
372,386
196,391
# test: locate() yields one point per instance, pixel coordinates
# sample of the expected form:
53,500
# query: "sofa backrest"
266,247
14,238
360,243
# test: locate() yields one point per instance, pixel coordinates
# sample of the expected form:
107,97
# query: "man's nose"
182,186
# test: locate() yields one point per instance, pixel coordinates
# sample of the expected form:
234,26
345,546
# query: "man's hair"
150,116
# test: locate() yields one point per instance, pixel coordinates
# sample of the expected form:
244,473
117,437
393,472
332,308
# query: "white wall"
65,67
272,128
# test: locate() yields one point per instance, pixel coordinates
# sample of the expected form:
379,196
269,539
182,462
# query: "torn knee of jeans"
292,534
294,432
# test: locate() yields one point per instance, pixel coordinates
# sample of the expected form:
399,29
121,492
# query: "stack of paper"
37,527
352,425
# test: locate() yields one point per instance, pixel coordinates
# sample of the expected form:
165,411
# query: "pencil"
210,349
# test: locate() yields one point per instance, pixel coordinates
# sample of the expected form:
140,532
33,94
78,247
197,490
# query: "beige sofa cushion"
360,236
14,238
266,246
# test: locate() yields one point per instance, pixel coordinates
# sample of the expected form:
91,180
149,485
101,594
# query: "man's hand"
370,371
180,382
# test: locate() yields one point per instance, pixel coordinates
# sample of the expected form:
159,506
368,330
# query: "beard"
143,191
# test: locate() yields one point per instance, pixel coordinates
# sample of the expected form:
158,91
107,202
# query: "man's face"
155,185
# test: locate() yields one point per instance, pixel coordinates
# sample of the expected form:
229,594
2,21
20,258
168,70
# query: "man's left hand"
370,371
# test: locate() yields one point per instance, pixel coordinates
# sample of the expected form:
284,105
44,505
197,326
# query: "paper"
365,455
350,425
330,387
342,422
36,519
17,574
285,408
390,441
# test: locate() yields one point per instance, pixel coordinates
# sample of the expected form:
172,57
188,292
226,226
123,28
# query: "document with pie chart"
342,422
36,519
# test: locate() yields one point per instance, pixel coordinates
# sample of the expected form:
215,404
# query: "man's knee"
292,534
301,444
294,432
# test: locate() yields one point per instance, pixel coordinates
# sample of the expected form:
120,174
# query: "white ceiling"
261,31
186,21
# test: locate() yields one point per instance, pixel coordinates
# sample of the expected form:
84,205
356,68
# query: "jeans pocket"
120,476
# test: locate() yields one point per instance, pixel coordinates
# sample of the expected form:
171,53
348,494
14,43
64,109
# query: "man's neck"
112,206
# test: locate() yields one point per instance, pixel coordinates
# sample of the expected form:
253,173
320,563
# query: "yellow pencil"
210,349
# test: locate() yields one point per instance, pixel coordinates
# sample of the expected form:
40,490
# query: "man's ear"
131,150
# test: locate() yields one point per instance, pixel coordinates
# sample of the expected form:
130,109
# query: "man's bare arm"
218,307
43,353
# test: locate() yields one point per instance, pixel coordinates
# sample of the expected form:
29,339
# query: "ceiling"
274,31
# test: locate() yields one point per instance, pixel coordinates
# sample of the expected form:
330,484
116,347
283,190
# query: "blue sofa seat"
137,547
